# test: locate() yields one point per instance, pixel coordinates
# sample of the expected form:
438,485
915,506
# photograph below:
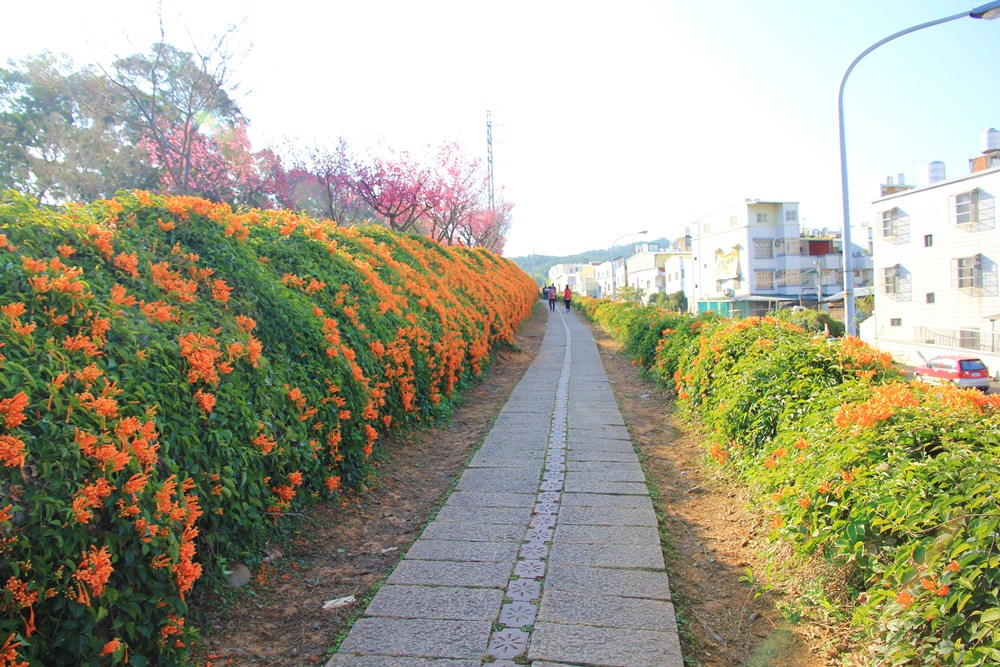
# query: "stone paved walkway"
547,553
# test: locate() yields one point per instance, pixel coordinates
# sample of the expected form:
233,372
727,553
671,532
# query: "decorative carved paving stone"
524,589
553,476
538,535
534,550
508,643
518,614
551,486
546,508
549,497
532,569
542,521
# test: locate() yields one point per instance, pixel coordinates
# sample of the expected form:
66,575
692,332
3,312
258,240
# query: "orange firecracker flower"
12,409
205,401
12,452
111,647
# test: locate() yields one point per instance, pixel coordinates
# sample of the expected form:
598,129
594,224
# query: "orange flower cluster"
173,283
13,312
220,290
128,263
8,653
882,405
56,277
158,311
101,238
205,358
92,574
91,497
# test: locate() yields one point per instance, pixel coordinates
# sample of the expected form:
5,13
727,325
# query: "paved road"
547,553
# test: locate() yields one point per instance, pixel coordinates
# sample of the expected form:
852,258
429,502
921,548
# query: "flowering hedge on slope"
895,482
175,376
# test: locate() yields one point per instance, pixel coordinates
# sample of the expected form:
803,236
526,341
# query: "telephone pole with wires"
489,156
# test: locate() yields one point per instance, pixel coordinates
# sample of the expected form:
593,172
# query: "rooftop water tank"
935,172
990,141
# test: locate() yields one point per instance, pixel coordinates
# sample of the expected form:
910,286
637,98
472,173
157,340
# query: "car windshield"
972,365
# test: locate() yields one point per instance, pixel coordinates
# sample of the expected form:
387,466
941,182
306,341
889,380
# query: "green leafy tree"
675,301
57,142
171,102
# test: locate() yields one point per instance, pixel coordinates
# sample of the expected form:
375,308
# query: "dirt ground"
338,551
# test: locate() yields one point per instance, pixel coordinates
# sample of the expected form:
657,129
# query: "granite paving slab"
609,581
604,647
497,483
446,573
442,603
616,468
464,550
417,637
490,499
607,516
599,455
608,555
608,534
607,611
475,532
351,660
614,473
605,500
576,485
515,515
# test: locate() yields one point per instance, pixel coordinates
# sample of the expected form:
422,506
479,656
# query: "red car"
961,371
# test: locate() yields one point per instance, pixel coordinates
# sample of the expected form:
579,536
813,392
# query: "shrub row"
896,483
176,376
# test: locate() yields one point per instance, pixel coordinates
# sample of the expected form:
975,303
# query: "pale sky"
609,117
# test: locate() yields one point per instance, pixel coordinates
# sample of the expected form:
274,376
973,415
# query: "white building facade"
937,269
753,258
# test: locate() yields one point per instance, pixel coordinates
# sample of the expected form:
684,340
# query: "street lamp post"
988,11
611,258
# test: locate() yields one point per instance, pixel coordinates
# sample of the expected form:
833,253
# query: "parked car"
961,371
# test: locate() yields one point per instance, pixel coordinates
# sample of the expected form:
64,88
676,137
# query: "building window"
895,226
791,216
890,280
930,297
763,248
764,279
968,273
762,218
973,210
895,321
793,277
928,240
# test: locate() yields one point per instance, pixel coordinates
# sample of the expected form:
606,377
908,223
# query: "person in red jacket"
567,296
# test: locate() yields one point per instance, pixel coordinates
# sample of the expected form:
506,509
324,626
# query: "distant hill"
537,266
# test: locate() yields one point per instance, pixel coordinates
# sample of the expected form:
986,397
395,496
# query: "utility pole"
489,156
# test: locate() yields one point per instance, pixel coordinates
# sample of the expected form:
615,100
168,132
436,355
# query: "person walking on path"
567,296
552,298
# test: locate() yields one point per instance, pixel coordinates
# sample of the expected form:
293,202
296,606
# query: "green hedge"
896,483
175,376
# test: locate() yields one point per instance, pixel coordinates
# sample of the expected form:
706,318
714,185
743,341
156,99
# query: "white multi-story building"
937,265
752,258
561,275
586,280
645,268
